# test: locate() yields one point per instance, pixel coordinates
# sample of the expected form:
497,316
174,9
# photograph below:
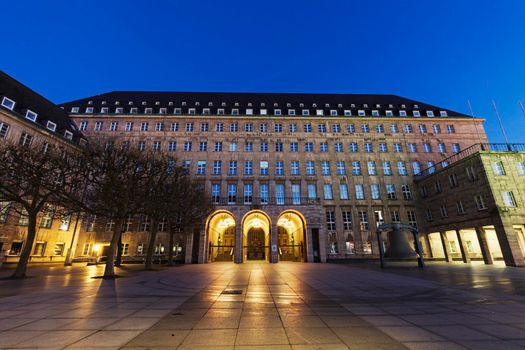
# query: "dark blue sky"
441,52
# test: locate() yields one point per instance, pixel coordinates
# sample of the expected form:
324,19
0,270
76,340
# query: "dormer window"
333,112
157,103
103,102
130,103
104,110
277,112
197,103
51,126
375,113
276,105
148,110
235,111
90,102
89,110
288,105
144,103
264,111
117,103
8,103
340,105
416,106
306,112
347,113
301,105
183,103
249,104
134,110
75,109
206,111
263,104
170,103
223,104
327,105
210,104
416,114
314,105
443,113
249,111
389,113
319,112
178,110
402,113
68,135
31,115
430,113
236,104
352,105
119,110
191,111
291,112
365,105
378,105
403,106
361,113
220,111
163,110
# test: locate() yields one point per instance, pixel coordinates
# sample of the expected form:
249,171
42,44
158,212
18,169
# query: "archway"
256,227
291,227
220,230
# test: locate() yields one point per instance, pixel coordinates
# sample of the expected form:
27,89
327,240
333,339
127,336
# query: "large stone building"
473,206
26,117
303,177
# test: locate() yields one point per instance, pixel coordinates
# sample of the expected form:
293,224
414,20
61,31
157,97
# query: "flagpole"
475,124
500,123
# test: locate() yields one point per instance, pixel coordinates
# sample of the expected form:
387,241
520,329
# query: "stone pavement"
281,306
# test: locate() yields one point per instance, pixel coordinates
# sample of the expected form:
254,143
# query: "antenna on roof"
475,125
500,124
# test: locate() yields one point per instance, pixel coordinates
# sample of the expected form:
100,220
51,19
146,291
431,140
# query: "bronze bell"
398,246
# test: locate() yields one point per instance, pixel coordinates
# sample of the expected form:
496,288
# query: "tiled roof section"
148,102
27,99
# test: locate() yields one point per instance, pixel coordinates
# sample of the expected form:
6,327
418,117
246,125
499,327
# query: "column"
239,254
508,241
189,248
446,247
426,239
274,246
484,246
463,247
203,246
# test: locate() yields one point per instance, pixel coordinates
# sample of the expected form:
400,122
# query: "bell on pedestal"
398,246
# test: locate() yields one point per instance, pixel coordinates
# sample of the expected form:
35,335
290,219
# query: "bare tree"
32,177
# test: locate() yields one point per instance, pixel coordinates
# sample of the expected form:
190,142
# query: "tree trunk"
118,261
151,244
170,252
109,271
21,267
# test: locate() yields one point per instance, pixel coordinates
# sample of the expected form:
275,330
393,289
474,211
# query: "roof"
240,101
27,99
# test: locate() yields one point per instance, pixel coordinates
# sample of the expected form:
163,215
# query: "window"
365,128
217,147
508,199
336,128
460,207
437,186
436,128
174,126
279,167
263,147
172,146
343,191
451,129
119,110
408,129
291,112
189,127
427,148
248,167
371,165
353,148
294,147
248,193
350,128
456,148
278,147
47,217
383,148
98,126
263,167
333,112
389,113
480,202
327,190
187,146
217,167
234,127
416,167
86,249
278,127
233,146
308,147
51,126
387,169
356,167
375,192
347,220
149,111
204,127
248,127
347,113
363,220
277,112
31,115
144,126
359,192
341,167
294,167
215,192
323,147
416,114
401,168
307,127
338,147
412,219
201,167
471,173
140,249
394,129
232,170
263,193
390,191
380,128
312,191
443,211
83,126
263,127
75,109
59,249
422,128
292,128
4,211
398,148
310,167
521,168
442,113
498,168
279,194
296,194
407,194
430,113
428,214
232,193
442,148
25,139
361,113
8,103
142,145
248,147
330,220
64,223
325,167
394,215
453,180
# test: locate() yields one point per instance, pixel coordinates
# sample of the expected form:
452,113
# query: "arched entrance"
220,230
291,227
256,236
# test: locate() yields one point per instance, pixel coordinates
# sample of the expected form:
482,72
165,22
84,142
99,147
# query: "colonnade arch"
256,236
291,228
220,232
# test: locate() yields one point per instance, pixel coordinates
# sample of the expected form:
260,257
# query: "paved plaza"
259,306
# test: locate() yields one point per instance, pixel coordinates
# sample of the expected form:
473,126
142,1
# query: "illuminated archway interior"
256,236
291,230
221,236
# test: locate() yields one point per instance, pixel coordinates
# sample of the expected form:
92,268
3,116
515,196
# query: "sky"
437,51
